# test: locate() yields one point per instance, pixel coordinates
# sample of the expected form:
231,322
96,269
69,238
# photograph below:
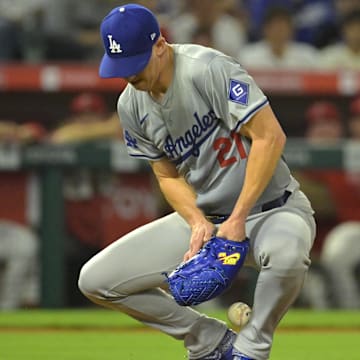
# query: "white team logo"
152,36
238,90
113,45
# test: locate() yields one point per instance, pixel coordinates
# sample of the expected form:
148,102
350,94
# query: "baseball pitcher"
215,147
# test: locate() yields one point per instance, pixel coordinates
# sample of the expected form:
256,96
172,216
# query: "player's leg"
18,249
340,256
128,274
281,245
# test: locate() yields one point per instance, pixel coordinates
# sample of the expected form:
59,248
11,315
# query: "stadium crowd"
271,34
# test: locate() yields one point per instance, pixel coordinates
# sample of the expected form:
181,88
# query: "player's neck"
165,77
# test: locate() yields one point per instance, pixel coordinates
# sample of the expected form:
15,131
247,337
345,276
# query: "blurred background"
67,186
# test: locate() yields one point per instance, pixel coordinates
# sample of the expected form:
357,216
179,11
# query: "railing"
80,77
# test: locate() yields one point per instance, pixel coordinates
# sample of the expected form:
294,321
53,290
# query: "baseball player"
215,147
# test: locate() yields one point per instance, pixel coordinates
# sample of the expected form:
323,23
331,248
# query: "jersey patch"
239,92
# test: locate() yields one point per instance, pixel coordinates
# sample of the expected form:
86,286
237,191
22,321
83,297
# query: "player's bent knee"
85,282
291,258
95,283
91,282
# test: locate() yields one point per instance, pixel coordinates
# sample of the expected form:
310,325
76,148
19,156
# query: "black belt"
280,201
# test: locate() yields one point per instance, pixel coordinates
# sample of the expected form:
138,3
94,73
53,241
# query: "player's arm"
7,130
182,199
76,132
268,141
21,133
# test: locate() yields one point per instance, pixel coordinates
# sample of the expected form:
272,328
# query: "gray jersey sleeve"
138,145
232,91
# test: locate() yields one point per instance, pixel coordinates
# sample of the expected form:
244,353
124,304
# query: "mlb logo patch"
239,92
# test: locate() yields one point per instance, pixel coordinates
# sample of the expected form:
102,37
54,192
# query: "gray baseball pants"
128,275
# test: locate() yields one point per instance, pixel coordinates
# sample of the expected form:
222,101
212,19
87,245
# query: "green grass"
92,345
106,335
108,319
317,346
66,318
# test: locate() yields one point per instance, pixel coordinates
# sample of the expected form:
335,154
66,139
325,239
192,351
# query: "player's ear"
160,46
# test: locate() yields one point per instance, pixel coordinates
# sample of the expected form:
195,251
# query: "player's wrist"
239,215
195,218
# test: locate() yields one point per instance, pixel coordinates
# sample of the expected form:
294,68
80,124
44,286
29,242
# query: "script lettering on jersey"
130,141
192,138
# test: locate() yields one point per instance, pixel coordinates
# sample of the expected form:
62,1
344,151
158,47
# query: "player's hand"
232,229
200,233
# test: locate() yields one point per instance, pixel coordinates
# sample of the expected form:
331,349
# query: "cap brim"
111,67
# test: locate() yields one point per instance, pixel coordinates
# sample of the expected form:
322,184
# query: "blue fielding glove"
209,272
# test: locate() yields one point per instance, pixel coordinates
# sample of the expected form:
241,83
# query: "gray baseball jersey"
196,126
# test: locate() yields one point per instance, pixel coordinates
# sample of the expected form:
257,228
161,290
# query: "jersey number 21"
223,146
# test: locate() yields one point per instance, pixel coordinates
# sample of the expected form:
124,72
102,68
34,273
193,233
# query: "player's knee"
95,283
289,258
90,282
85,284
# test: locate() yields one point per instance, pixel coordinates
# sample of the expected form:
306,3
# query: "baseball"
239,314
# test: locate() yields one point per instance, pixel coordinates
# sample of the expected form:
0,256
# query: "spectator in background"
346,54
256,11
329,32
72,29
335,195
324,123
99,204
28,132
311,17
340,201
19,272
341,249
325,189
19,38
324,126
89,120
40,30
227,32
278,50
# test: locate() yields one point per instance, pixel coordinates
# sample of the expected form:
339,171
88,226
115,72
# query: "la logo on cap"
113,45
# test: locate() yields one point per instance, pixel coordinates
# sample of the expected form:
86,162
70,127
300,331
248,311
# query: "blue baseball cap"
128,33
